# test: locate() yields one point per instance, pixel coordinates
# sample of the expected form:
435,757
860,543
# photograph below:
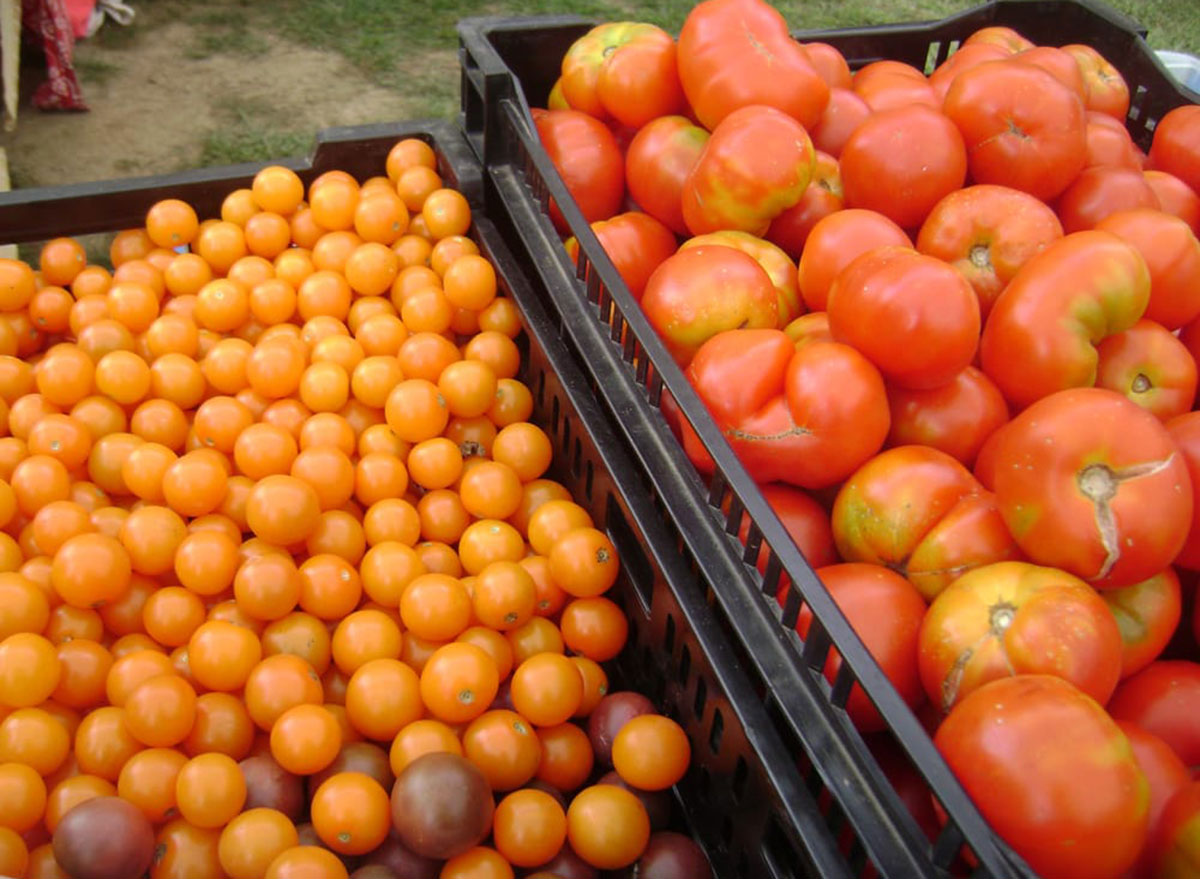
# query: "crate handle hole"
716,732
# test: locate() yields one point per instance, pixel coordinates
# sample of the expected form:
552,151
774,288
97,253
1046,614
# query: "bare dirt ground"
154,100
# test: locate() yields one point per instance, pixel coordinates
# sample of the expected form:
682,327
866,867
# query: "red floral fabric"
47,22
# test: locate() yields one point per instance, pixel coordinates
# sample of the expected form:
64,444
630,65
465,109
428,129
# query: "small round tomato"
607,826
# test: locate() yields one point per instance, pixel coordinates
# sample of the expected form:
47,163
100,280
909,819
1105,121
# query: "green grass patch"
94,71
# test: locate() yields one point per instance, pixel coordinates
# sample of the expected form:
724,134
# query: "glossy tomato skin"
893,86
1162,699
806,523
844,113
1074,476
835,242
1102,191
903,161
701,291
658,161
734,53
956,418
1040,336
1072,805
988,232
1176,197
913,316
1176,840
1014,618
770,400
636,243
968,55
1176,145
998,35
774,261
1022,127
1185,431
623,70
1147,614
885,611
1172,255
1150,366
1166,775
1105,89
1109,143
824,196
830,63
756,165
920,512
587,157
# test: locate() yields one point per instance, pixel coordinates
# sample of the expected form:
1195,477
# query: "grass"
250,131
94,70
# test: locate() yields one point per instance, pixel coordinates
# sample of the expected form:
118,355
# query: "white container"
1184,67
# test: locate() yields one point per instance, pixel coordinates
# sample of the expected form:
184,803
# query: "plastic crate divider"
887,829
645,545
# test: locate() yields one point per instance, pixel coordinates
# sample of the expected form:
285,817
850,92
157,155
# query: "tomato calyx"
1099,483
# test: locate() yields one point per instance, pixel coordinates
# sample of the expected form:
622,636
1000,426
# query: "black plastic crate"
742,798
508,62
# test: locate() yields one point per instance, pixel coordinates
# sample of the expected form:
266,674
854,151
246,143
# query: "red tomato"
829,63
1147,614
587,157
1076,473
806,523
635,242
811,327
1040,334
823,197
1022,127
659,159
771,401
885,612
1172,255
1052,774
1100,192
997,35
1109,143
1014,618
777,264
968,55
903,161
987,233
1176,145
1162,698
1166,775
702,291
1059,64
921,513
734,53
835,242
1176,841
1106,90
625,70
756,165
844,113
987,461
1185,431
1149,365
1176,197
894,87
955,418
913,316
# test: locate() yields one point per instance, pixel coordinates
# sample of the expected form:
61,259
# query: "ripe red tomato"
1105,90
968,55
771,401
1099,192
1149,365
1176,840
1052,774
756,164
635,242
774,261
1176,197
919,512
903,161
1176,145
1185,431
1075,474
1014,618
830,63
1003,37
823,197
734,53
1109,143
624,70
587,157
1162,699
956,418
987,233
702,291
1057,63
886,85
1166,775
913,316
1147,614
1172,255
659,159
1022,127
1040,334
885,612
844,113
835,242
806,523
